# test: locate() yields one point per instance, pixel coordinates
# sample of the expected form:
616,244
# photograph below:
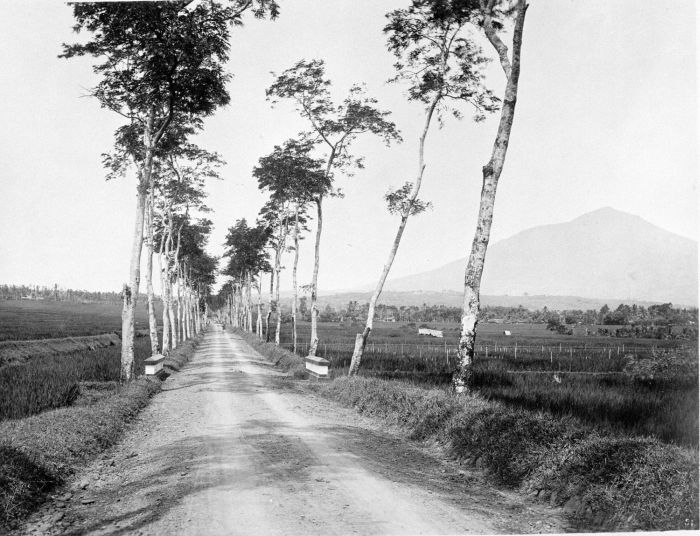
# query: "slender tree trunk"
361,338
131,290
279,308
171,314
491,172
295,287
165,298
180,312
249,300
152,322
313,344
271,306
259,322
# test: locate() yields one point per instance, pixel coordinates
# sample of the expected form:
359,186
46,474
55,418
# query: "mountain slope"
605,253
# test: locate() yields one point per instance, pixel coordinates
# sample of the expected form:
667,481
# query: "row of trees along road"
436,43
161,67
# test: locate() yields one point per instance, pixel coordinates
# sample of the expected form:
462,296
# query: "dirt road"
226,448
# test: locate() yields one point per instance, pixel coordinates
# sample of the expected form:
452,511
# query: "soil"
231,447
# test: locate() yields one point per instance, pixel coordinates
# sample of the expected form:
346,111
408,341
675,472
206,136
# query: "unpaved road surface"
229,447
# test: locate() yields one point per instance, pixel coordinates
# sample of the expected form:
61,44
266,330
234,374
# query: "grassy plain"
46,319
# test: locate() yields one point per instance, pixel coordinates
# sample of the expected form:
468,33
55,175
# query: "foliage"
438,58
334,125
291,174
245,249
399,201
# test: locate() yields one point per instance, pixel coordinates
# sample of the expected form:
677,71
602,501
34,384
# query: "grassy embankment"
59,411
605,479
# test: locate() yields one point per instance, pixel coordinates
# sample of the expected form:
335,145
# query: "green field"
46,319
638,386
57,380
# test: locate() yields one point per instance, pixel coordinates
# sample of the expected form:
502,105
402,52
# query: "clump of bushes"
604,480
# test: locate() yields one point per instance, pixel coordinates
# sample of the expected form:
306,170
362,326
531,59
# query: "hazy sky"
606,116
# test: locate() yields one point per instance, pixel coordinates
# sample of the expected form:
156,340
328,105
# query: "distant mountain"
602,254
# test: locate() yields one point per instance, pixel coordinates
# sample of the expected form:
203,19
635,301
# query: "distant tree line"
630,320
55,293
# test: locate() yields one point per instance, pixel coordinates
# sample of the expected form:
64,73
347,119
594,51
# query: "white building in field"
431,332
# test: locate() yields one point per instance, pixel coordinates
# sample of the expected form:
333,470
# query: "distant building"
431,332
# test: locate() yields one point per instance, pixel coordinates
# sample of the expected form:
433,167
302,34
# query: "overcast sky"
606,116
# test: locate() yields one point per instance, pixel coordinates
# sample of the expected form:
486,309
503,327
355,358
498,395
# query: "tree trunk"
491,172
259,322
361,338
171,314
279,309
152,322
269,310
249,303
313,344
131,290
164,299
295,297
180,312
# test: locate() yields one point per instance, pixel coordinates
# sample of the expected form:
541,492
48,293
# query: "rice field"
643,387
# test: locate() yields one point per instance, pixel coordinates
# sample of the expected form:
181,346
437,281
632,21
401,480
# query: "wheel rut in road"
227,448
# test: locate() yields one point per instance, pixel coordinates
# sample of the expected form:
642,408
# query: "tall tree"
156,61
335,127
294,179
247,259
491,17
181,171
443,68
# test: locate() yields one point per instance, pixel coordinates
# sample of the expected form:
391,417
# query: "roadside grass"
604,479
285,359
40,452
